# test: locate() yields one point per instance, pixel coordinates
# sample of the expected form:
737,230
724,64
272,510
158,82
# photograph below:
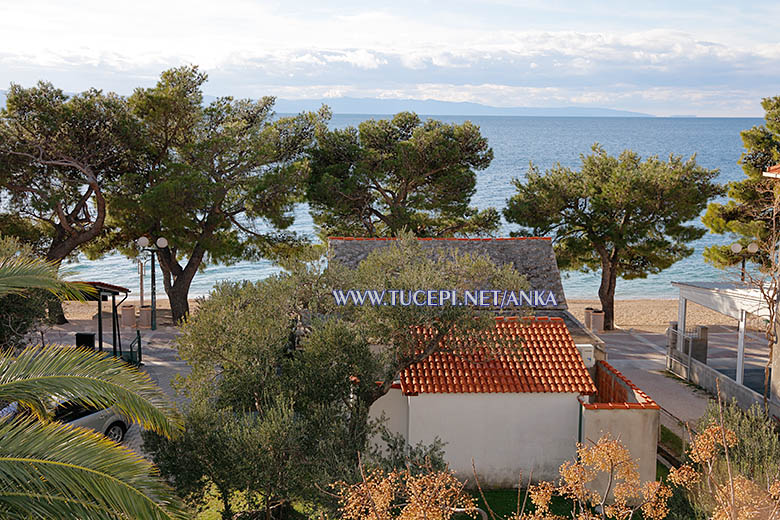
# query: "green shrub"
680,507
757,454
395,453
20,314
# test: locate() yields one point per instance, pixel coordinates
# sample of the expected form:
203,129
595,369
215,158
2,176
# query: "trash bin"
597,321
588,314
145,317
128,315
85,339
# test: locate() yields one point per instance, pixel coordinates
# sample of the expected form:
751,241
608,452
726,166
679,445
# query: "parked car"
106,421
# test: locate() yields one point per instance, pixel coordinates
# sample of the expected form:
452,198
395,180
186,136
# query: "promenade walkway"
641,357
160,359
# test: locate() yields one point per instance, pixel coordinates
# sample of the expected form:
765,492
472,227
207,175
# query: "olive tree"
281,356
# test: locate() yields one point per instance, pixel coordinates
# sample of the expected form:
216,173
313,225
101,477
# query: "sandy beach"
652,315
88,310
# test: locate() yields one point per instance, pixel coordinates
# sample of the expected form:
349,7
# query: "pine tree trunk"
56,312
607,294
227,510
69,239
178,298
177,280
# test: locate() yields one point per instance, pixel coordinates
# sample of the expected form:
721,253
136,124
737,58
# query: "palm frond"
40,375
47,506
21,273
52,470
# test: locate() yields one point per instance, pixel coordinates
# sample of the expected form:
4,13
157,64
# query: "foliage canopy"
399,173
622,215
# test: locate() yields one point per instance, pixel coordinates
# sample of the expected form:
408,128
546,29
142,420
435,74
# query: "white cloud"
235,30
360,58
417,49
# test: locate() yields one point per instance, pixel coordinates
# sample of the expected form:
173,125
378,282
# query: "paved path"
160,359
641,357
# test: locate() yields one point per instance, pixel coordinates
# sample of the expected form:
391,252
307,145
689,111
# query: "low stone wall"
709,379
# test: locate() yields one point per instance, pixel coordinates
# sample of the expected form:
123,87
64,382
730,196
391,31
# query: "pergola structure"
104,290
732,299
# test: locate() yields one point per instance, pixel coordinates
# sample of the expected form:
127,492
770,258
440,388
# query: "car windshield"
70,411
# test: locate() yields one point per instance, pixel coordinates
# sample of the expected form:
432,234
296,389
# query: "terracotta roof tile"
774,169
548,361
644,400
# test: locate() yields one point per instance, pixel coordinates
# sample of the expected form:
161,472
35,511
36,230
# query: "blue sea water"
546,141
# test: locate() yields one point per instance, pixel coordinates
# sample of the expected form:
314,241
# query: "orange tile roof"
774,169
548,361
644,400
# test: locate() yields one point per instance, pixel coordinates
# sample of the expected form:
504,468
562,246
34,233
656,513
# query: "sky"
704,58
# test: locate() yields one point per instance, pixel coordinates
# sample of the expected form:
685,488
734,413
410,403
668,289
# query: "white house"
522,409
512,412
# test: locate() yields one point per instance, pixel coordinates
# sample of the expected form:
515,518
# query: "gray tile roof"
530,256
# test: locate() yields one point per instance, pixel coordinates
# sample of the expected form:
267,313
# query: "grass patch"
694,386
661,471
503,502
672,442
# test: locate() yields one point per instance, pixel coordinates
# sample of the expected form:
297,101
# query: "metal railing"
133,354
676,358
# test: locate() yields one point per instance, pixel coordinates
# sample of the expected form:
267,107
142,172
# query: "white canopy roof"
728,298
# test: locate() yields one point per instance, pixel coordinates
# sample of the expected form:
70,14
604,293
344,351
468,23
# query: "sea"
516,142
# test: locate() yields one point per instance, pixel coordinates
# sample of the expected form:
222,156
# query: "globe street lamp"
160,243
752,249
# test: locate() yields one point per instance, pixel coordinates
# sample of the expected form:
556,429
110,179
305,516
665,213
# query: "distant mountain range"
430,107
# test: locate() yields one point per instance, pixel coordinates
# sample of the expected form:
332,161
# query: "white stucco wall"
505,434
394,406
637,429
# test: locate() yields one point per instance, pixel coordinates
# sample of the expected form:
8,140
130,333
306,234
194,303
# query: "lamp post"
160,243
752,249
